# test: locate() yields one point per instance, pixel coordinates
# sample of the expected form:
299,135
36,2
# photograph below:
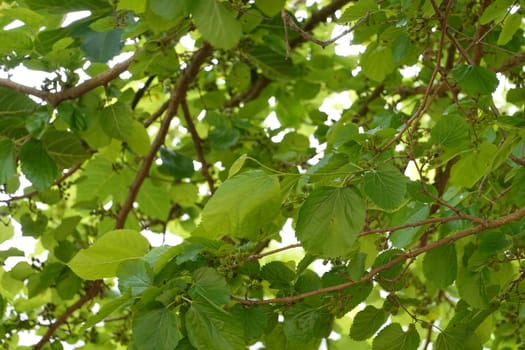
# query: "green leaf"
392,337
209,328
472,287
237,165
216,24
210,286
65,148
240,76
367,322
175,164
223,138
135,276
256,319
461,337
102,46
385,186
510,27
35,227
272,64
137,6
475,80
13,103
243,206
117,121
450,131
37,165
270,7
358,10
440,266
473,165
104,256
7,160
156,328
169,9
278,274
153,201
496,11
377,62
107,309
330,220
303,322
139,140
517,188
37,123
64,6
99,181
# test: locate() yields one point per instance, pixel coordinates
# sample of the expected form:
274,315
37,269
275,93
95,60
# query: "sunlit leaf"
243,206
216,23
104,256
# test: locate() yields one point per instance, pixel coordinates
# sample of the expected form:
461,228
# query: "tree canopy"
387,137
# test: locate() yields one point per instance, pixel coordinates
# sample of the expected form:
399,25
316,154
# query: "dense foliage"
387,136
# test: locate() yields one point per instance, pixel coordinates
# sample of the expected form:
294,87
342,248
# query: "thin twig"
517,215
413,224
197,144
91,293
57,182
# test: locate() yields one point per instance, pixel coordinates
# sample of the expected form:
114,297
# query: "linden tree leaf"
156,328
216,24
105,255
392,337
243,206
330,220
37,165
385,186
475,80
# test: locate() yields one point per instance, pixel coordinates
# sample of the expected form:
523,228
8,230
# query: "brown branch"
157,114
427,97
270,252
177,95
24,89
517,160
288,21
197,144
517,60
518,214
91,293
74,92
98,80
413,224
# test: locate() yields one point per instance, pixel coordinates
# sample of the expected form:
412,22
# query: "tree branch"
518,214
205,167
91,293
74,92
23,89
177,95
